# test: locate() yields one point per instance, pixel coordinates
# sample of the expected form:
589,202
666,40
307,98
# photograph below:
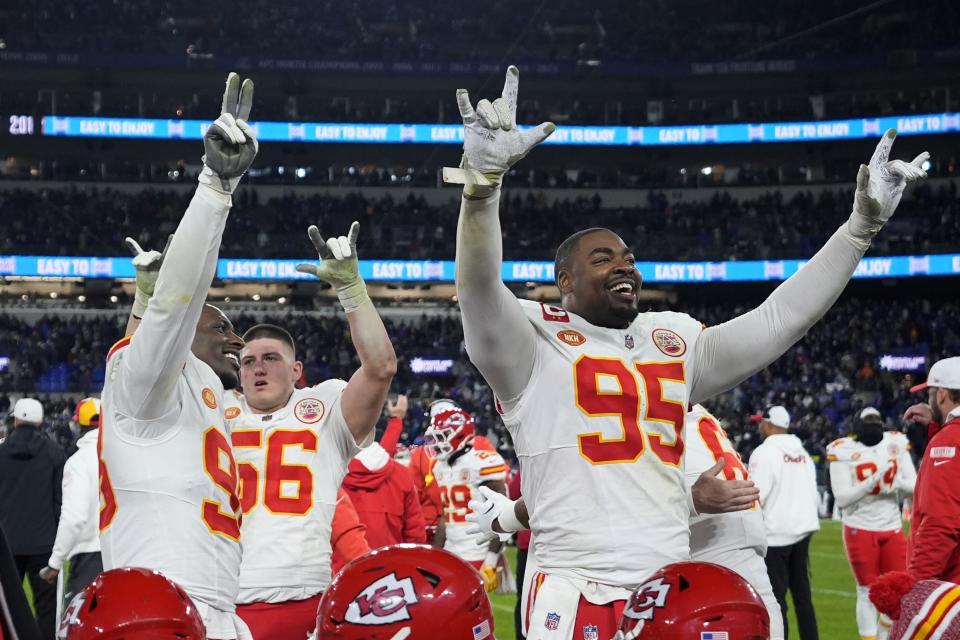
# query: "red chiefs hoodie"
383,494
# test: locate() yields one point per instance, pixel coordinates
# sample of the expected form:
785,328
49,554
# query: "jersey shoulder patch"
844,450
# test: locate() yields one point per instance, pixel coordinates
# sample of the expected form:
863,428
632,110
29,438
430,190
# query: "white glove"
492,143
880,186
884,470
338,266
229,143
483,512
147,265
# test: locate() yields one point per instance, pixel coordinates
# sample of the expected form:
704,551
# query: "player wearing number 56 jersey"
594,392
167,474
293,446
869,472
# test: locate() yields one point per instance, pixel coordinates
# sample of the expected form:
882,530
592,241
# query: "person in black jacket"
31,473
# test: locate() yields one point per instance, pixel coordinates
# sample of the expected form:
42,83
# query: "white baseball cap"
28,410
944,374
776,415
870,412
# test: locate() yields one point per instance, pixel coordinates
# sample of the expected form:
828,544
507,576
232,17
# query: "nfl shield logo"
628,342
552,622
591,632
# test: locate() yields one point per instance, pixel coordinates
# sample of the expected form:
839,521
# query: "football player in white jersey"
292,448
735,540
869,473
461,468
168,480
594,392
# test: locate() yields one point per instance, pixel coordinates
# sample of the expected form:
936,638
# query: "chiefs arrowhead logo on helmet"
384,601
647,598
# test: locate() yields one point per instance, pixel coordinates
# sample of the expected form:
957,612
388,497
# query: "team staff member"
787,479
935,531
78,535
31,473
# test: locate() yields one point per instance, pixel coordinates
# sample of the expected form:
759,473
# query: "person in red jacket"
383,494
935,530
348,535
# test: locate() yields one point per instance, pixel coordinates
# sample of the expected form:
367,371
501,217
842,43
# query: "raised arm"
499,339
731,352
362,399
158,350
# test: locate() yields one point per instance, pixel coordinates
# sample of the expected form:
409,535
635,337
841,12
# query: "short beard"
629,315
937,414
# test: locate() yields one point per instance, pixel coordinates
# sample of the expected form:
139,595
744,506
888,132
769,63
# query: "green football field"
833,590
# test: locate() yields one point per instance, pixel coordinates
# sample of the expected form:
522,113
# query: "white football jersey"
168,486
459,484
879,510
598,431
714,535
290,465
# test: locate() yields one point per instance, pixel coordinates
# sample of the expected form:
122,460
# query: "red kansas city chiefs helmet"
406,591
691,600
131,604
449,431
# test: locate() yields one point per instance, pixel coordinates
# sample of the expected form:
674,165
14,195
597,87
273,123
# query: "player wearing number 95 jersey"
292,448
594,392
868,473
167,474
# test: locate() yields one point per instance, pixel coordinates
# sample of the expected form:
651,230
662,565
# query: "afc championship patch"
571,337
231,413
209,397
943,452
669,342
309,410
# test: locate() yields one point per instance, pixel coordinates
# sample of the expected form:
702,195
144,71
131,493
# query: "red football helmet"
686,599
405,591
132,604
449,431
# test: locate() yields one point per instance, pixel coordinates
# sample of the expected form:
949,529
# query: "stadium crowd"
571,30
92,221
824,380
598,109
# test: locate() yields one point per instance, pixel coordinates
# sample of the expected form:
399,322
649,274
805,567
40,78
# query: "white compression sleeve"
727,354
500,340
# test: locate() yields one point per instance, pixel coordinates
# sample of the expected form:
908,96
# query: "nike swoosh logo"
940,462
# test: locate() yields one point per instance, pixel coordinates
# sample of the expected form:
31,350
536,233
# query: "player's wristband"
140,300
508,519
353,295
491,559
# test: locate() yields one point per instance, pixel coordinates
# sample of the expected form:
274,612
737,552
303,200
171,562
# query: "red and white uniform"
291,464
879,510
602,416
459,484
872,525
736,540
167,474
